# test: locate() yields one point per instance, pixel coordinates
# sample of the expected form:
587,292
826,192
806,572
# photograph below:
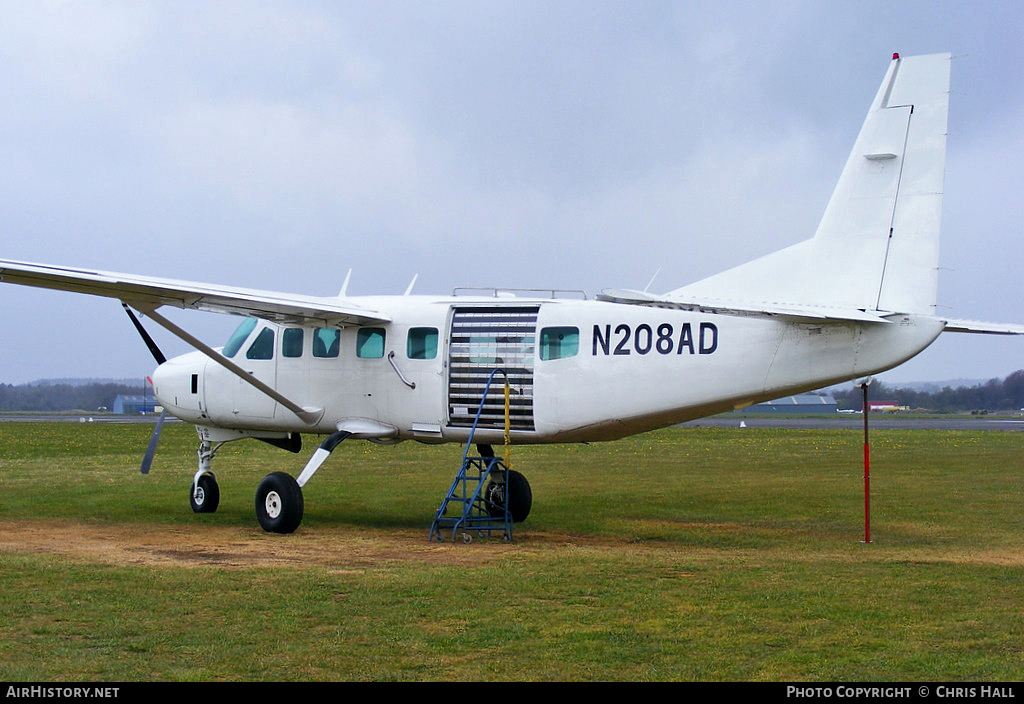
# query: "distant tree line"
993,395
62,397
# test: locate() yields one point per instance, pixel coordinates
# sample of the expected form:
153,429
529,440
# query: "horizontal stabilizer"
977,326
747,309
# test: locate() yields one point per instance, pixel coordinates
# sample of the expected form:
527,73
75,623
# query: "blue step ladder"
473,512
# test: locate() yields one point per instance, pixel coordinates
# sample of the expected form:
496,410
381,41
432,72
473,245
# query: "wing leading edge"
148,293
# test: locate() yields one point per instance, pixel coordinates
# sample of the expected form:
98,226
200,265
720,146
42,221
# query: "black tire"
520,497
206,497
279,503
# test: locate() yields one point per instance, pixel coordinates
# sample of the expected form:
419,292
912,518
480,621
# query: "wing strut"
308,415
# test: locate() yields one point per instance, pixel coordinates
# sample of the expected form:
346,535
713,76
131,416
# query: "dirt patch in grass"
242,547
232,547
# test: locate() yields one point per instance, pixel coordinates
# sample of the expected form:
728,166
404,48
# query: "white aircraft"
855,299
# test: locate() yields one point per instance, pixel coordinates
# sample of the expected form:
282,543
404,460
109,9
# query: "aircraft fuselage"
579,370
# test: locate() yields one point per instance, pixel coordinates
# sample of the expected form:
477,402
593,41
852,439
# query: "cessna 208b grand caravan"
390,368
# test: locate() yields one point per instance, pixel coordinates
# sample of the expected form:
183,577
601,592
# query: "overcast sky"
564,144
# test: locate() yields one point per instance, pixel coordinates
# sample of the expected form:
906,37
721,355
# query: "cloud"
579,144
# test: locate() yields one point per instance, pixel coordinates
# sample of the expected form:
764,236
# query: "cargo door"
482,339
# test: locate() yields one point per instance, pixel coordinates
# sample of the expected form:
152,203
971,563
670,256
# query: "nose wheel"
204,495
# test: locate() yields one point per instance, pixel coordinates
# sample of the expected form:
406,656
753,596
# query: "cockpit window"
370,343
291,342
263,346
239,336
558,343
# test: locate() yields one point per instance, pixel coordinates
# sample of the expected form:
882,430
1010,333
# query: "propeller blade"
157,354
154,439
147,460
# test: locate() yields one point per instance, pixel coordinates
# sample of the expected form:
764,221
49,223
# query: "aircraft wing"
147,293
748,309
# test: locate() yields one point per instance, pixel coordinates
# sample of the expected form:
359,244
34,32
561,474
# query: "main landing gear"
279,503
512,489
515,491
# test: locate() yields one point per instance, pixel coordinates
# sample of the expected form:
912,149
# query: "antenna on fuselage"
344,285
412,283
648,286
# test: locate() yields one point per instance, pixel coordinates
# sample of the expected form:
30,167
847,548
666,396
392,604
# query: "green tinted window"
263,346
234,342
370,343
291,342
558,343
422,343
326,342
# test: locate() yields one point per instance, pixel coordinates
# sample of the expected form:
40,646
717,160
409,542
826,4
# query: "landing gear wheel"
520,497
205,496
279,503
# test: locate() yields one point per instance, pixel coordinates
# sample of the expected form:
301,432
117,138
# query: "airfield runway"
79,418
856,421
842,420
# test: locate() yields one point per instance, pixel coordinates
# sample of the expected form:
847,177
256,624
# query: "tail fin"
877,246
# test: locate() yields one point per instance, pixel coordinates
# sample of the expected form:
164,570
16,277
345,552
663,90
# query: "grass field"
696,554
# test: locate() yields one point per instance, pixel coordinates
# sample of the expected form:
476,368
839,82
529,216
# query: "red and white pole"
867,468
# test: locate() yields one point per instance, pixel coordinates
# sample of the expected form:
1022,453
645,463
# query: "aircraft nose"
177,385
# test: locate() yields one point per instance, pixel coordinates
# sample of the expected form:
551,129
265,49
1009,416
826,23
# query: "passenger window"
239,336
263,346
370,343
558,343
422,343
326,342
291,342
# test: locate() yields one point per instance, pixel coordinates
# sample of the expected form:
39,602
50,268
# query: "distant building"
133,404
801,403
